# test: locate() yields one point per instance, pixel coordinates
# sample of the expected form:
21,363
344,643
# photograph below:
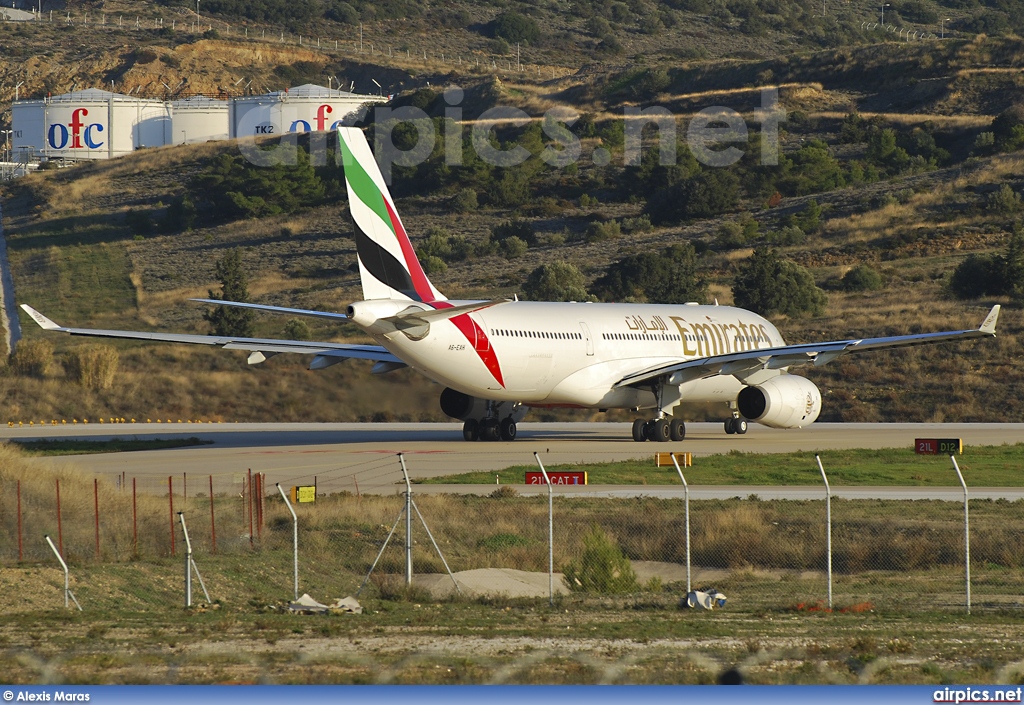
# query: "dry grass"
92,366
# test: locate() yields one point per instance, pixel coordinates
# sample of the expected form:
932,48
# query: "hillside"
96,244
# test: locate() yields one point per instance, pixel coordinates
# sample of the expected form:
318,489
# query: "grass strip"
982,466
114,445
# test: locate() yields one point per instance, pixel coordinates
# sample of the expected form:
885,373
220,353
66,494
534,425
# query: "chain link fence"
123,542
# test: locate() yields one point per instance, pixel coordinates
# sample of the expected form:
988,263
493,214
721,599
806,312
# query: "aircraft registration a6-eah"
498,358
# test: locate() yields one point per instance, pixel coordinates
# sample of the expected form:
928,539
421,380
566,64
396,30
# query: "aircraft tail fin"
388,267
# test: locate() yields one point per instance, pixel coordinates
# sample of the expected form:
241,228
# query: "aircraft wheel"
471,430
659,430
638,430
489,430
677,430
730,427
740,425
507,429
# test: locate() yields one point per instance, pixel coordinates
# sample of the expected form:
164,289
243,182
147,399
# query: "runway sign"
304,493
663,460
557,478
938,446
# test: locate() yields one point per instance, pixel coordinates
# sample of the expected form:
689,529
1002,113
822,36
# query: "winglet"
44,322
989,326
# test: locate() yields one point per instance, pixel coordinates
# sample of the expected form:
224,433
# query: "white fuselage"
573,354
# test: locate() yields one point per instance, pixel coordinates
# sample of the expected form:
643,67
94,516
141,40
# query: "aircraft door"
586,337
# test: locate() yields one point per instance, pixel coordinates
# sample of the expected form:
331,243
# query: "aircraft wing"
742,364
262,348
275,309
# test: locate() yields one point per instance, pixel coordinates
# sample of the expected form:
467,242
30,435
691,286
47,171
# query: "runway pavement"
340,456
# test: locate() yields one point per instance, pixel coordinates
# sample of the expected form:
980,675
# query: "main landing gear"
663,429
736,425
489,429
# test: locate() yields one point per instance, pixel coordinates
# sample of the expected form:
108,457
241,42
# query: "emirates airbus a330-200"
498,358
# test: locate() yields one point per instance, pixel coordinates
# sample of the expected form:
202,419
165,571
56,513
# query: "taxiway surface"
343,456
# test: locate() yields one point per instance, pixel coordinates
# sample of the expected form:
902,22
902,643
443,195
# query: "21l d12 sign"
938,446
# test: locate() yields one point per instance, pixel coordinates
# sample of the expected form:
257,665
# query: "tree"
768,284
558,281
666,277
230,320
993,274
708,193
514,27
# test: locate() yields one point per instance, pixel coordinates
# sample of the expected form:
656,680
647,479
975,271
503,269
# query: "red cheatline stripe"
476,336
419,277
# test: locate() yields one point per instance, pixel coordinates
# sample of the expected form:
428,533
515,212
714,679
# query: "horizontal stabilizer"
441,314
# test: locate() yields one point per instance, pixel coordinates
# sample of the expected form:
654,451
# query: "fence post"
170,498
60,527
686,495
828,527
213,525
135,522
250,508
408,522
551,534
295,537
188,561
20,553
967,535
96,507
67,586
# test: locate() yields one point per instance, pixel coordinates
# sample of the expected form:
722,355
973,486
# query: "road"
343,456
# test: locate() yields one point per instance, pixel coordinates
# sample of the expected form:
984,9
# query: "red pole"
60,528
356,480
135,523
213,524
19,522
170,497
259,504
250,507
96,504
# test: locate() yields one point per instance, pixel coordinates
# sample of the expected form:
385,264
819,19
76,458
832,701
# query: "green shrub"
465,201
601,568
514,27
513,247
730,236
297,329
516,227
433,265
786,237
599,232
1005,200
497,542
667,277
862,278
558,281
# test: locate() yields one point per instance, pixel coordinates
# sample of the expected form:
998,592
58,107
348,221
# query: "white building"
199,119
98,124
306,108
89,124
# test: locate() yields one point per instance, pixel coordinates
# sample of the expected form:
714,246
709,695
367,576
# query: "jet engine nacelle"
464,407
786,401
